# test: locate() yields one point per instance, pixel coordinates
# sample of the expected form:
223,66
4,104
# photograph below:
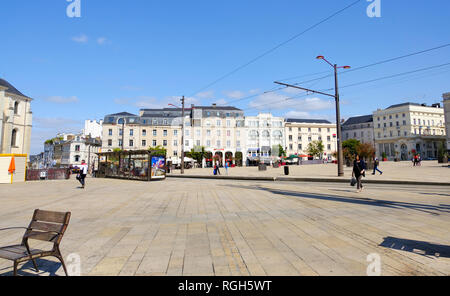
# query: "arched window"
14,138
16,107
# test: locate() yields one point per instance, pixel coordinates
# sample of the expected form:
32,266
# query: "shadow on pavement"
417,247
46,267
431,209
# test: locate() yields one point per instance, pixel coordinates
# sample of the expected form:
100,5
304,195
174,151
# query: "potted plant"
384,156
442,153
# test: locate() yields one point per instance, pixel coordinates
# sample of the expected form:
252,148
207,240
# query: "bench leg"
35,265
15,268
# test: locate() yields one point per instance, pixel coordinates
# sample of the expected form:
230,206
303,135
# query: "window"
208,143
218,143
175,153
290,129
328,147
154,143
14,138
228,133
404,122
390,124
165,133
309,139
120,132
300,137
175,133
290,138
328,138
218,133
131,143
165,121
290,146
16,108
228,123
320,129
120,142
187,133
175,142
186,143
110,132
198,133
154,132
198,142
398,133
299,146
131,132
208,133
77,158
218,122
144,143
228,144
109,142
164,142
144,132
238,133
77,147
328,129
309,129
379,125
397,123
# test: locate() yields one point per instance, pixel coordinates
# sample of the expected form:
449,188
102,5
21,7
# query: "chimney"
214,105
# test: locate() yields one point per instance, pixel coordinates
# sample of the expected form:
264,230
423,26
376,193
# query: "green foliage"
315,149
53,140
280,149
158,150
197,153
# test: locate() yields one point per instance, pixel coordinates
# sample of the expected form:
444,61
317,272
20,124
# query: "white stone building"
93,128
300,132
264,133
359,128
15,120
405,129
446,98
75,148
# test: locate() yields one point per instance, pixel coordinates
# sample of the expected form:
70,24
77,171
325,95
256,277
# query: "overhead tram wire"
373,64
351,70
276,47
356,84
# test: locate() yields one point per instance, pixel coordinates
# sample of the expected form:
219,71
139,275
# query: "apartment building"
301,132
15,120
446,98
359,128
263,133
405,129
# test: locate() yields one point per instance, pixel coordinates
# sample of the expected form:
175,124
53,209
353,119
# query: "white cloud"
102,40
221,102
276,101
80,39
206,94
236,94
292,91
62,100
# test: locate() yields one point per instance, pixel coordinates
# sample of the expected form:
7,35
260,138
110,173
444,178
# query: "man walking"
375,166
82,173
358,172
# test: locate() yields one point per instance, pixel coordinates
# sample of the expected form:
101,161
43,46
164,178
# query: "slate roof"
307,120
403,104
11,89
359,119
122,114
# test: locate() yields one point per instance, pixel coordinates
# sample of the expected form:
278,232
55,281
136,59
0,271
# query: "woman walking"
358,172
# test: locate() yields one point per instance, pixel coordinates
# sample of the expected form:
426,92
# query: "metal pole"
123,131
182,136
338,127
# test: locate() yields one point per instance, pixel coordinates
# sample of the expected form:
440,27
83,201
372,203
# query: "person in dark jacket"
358,172
375,166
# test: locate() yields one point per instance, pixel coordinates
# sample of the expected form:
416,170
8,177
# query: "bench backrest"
48,226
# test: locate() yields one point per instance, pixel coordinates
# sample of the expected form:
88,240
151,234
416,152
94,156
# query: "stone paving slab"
228,227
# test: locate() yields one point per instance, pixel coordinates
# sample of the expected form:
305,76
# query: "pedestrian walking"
358,172
217,165
83,170
376,163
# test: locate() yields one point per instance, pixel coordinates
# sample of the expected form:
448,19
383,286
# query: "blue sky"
124,55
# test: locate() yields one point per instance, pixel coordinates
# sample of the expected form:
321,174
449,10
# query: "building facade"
74,149
215,128
446,98
264,133
93,128
359,128
301,132
406,129
15,120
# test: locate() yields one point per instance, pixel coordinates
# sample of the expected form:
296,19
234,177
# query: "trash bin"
286,170
262,167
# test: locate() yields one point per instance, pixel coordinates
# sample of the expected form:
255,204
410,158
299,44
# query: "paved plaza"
228,227
429,171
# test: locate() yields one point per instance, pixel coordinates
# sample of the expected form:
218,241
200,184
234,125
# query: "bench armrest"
8,228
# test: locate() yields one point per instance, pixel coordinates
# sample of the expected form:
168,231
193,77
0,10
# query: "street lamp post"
340,155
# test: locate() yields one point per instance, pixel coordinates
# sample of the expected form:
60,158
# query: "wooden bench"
44,226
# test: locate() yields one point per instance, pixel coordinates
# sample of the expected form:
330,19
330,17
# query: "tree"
280,150
197,153
351,146
158,150
365,150
315,149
